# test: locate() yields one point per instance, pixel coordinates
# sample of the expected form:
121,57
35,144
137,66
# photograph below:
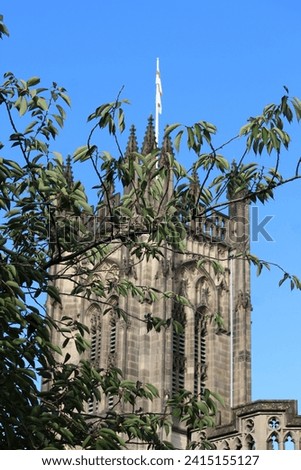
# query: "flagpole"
158,101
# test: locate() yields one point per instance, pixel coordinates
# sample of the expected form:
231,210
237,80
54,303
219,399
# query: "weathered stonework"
214,350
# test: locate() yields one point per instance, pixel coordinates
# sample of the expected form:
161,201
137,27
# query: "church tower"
213,349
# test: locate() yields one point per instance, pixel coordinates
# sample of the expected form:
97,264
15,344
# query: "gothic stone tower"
207,353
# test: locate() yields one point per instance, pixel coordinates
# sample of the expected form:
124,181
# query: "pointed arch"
94,318
289,442
205,301
225,445
205,291
108,273
94,315
250,442
237,444
273,441
110,310
200,350
179,316
198,288
178,348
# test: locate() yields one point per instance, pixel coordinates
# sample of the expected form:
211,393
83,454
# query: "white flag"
158,90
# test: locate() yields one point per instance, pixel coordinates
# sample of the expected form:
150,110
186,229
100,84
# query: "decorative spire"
193,201
149,143
194,186
167,149
132,145
68,172
129,177
234,182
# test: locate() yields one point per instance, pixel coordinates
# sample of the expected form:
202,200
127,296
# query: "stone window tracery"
95,350
178,350
200,358
250,442
249,425
225,445
178,340
274,423
289,443
273,442
237,444
193,324
204,291
112,341
95,334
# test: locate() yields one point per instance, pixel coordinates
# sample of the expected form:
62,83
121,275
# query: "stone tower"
214,349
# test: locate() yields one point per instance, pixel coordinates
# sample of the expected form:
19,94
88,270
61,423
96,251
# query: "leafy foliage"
37,236
3,28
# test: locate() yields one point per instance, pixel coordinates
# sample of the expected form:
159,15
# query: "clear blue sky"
220,61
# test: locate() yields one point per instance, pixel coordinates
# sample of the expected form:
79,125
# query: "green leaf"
30,127
58,157
54,293
285,277
244,130
86,206
58,119
23,106
83,153
190,138
61,111
152,389
121,123
42,103
171,128
125,211
33,81
177,140
86,441
3,28
65,98
297,107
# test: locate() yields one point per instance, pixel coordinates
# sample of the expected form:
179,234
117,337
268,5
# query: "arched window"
273,442
178,348
95,326
92,406
249,425
237,443
95,334
200,360
250,443
111,311
289,443
110,401
225,445
113,338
